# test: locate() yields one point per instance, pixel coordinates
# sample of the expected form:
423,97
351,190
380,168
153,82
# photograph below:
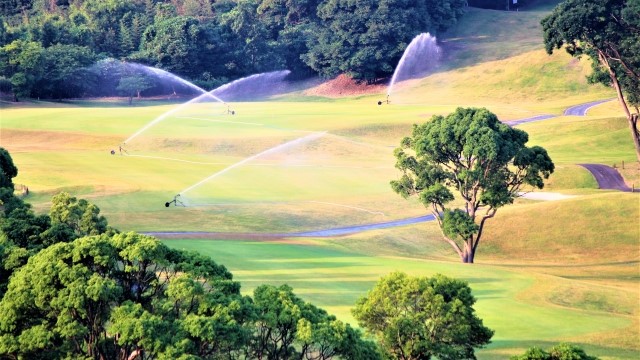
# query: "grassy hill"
565,270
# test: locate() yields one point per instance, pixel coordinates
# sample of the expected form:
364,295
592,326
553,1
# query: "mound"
343,85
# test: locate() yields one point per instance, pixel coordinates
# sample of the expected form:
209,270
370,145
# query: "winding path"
581,110
576,110
340,231
607,177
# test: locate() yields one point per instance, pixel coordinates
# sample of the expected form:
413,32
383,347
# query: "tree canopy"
7,169
73,287
607,31
558,352
421,318
46,47
485,161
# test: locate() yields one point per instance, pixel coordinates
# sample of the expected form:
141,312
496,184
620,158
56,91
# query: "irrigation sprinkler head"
113,152
176,201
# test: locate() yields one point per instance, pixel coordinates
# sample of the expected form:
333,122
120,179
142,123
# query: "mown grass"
334,279
546,271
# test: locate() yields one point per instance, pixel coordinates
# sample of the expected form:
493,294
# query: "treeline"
46,46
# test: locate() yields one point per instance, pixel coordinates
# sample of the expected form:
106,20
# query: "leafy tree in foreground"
80,217
485,161
559,352
7,169
420,318
287,327
608,31
117,297
130,296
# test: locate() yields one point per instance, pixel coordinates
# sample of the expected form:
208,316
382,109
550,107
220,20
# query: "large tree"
417,318
485,161
608,31
288,327
119,297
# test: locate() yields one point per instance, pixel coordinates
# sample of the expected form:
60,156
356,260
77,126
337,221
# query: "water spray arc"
272,150
419,58
265,79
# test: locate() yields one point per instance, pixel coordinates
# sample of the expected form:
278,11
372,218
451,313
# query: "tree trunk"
632,119
468,256
130,100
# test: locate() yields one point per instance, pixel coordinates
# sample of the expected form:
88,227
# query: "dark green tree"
66,72
7,169
367,38
558,352
184,46
115,297
485,161
287,327
420,318
133,85
21,63
256,49
608,32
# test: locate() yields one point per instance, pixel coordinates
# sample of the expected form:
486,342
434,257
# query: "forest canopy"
48,47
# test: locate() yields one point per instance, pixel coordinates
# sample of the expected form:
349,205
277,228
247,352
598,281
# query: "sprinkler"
121,149
176,201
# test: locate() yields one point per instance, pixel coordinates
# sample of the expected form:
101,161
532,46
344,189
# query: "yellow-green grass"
526,85
531,290
334,279
487,35
341,176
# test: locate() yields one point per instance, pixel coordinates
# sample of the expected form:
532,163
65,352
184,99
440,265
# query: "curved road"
581,110
340,231
576,110
607,177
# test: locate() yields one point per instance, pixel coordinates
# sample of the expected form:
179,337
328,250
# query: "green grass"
334,279
546,271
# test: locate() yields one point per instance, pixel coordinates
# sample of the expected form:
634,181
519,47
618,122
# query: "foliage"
421,318
134,85
79,216
367,38
498,4
23,233
558,352
607,32
103,296
114,297
208,42
485,161
7,169
287,327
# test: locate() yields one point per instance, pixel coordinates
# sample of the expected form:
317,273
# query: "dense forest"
49,48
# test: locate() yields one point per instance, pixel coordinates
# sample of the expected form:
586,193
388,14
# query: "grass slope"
547,272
